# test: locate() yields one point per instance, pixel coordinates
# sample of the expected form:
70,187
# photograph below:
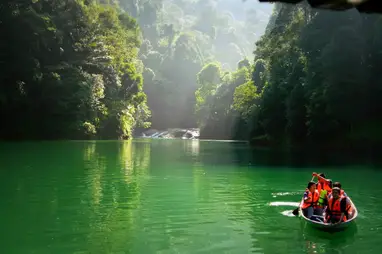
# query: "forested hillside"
315,81
82,69
75,68
69,69
180,37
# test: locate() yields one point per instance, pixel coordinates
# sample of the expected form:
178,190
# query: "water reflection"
134,159
240,153
304,158
116,173
317,241
95,169
201,182
224,208
183,197
191,147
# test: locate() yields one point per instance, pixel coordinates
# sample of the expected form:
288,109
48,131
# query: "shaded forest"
273,74
69,70
314,82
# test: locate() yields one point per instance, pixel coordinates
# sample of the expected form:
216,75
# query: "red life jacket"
312,199
337,207
323,186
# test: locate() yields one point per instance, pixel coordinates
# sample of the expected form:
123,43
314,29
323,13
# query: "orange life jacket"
312,199
323,186
335,210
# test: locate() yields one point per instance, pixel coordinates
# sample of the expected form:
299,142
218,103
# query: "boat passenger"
311,195
323,183
323,199
338,184
338,207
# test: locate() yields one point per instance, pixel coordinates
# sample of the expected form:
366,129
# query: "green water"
169,196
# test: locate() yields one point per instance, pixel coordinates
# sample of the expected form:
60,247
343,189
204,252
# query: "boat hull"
331,227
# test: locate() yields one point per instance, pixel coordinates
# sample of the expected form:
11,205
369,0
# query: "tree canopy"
100,69
314,81
69,69
180,37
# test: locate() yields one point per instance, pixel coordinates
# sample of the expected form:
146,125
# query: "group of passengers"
325,197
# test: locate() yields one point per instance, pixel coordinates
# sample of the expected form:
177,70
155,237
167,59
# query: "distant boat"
331,227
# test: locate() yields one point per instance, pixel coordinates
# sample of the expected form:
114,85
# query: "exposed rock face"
172,133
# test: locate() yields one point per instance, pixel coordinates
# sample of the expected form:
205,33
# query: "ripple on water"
278,194
282,203
288,213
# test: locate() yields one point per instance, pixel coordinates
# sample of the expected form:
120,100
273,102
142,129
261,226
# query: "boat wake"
280,203
277,194
288,213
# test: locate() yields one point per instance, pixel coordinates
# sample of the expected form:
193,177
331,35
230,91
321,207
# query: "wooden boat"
328,226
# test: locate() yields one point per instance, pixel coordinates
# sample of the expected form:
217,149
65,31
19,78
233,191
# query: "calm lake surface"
170,196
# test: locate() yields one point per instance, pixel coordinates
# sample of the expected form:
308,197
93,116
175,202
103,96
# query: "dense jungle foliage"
314,81
78,69
69,69
75,68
